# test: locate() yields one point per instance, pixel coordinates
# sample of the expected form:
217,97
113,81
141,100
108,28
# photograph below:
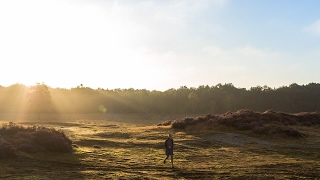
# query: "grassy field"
111,149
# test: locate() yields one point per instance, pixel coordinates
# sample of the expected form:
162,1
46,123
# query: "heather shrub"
308,119
22,135
11,129
227,115
243,126
52,140
24,142
7,150
36,138
194,121
201,119
210,116
28,147
226,121
260,130
292,132
271,116
246,113
165,123
268,123
178,124
190,121
289,132
256,123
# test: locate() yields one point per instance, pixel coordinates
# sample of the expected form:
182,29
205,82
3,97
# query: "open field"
105,149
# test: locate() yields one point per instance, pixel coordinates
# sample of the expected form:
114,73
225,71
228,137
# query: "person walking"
168,144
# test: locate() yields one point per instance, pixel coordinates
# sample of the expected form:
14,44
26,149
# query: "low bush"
256,122
165,123
11,129
28,147
308,119
260,130
23,141
52,140
7,150
287,132
34,139
179,124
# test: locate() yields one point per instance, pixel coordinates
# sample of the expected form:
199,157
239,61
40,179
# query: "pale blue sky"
161,44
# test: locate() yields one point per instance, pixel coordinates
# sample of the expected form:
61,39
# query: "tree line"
217,99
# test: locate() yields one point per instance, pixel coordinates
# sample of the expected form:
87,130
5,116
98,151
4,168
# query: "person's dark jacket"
168,144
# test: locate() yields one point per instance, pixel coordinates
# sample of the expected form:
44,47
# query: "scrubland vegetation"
268,123
33,139
206,147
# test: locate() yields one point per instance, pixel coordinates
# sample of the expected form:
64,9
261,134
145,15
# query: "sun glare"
64,44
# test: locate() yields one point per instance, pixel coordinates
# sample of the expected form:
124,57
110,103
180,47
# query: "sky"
159,44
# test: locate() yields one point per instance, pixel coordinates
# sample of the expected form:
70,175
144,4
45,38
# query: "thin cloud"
314,28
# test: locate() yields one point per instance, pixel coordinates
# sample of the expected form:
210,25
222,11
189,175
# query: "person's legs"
172,160
169,153
164,161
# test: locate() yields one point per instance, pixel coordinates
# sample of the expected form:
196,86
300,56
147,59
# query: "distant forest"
217,99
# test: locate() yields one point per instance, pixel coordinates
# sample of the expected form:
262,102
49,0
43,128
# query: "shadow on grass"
112,144
290,170
44,165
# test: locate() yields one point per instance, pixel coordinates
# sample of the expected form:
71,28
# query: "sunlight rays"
15,98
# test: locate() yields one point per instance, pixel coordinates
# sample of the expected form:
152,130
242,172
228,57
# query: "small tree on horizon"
39,99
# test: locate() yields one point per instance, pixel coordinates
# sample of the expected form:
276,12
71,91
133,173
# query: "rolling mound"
267,123
31,139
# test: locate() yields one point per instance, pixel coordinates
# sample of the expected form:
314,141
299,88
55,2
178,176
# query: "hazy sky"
159,44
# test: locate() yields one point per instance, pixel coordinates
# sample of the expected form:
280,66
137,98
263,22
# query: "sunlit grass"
112,150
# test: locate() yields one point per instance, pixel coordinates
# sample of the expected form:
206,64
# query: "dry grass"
120,150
